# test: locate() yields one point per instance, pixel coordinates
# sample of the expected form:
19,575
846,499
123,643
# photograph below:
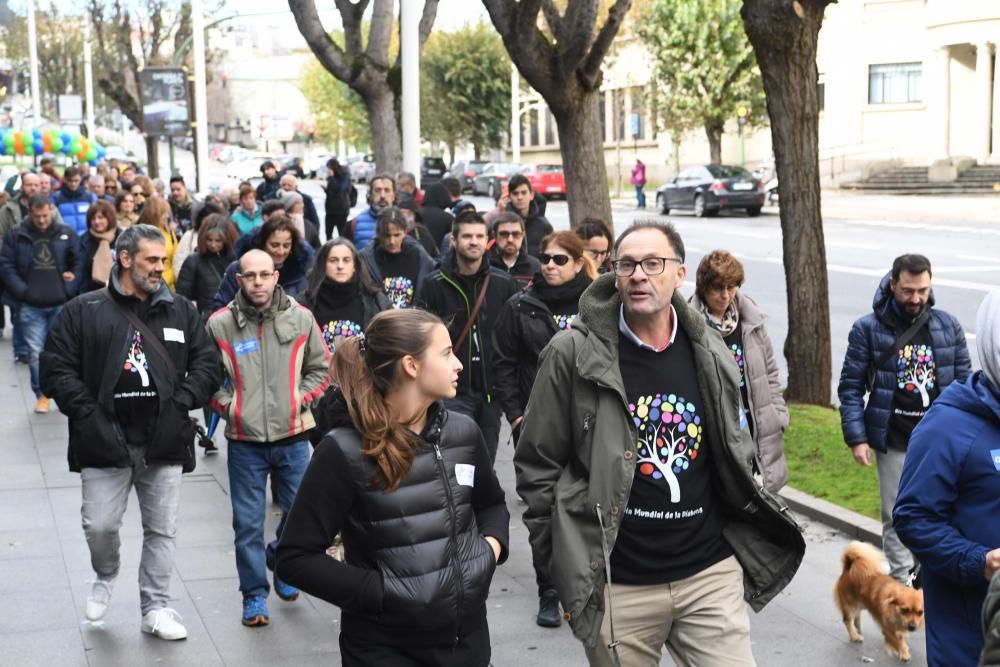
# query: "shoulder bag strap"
147,333
904,338
475,311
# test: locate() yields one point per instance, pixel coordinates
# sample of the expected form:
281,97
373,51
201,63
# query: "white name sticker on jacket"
465,474
173,335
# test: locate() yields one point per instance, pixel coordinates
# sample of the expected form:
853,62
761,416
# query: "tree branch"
427,20
576,33
325,49
350,16
591,70
380,34
552,17
529,49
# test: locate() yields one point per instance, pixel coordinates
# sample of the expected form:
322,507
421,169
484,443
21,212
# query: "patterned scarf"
730,318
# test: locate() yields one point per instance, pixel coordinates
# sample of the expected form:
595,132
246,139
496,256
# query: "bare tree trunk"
583,159
152,156
714,135
784,37
387,142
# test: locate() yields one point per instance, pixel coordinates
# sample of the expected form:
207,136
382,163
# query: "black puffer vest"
422,537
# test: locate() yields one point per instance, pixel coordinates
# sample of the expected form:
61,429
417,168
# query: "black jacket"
536,227
443,293
417,568
338,195
200,278
525,268
82,362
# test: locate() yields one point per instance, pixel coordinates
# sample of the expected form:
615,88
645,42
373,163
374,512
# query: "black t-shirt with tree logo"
671,528
137,403
916,387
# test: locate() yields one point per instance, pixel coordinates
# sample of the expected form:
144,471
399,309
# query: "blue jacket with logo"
872,335
73,206
948,513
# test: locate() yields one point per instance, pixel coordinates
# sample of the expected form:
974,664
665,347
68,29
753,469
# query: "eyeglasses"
252,276
597,253
510,235
560,260
651,266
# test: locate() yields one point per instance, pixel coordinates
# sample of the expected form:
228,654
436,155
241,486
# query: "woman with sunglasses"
525,325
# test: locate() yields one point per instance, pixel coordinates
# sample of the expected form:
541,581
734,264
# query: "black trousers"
335,220
472,650
485,413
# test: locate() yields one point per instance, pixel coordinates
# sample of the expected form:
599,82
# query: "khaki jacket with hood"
276,367
575,462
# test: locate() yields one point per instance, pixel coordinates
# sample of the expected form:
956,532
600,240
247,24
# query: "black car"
465,171
431,171
708,189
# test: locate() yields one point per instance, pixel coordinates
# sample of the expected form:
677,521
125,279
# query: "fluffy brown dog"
897,608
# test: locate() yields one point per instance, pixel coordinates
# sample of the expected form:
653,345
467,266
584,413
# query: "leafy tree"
564,66
784,35
465,92
704,66
339,111
365,63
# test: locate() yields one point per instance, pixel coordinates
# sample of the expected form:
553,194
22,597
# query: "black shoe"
22,359
548,610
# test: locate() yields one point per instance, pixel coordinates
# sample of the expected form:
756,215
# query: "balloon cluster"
38,142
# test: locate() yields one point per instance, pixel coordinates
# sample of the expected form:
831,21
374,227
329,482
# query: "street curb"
856,526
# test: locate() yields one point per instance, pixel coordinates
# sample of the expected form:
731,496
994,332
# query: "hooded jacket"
767,405
73,206
949,500
292,276
361,229
276,363
82,362
575,462
417,568
872,335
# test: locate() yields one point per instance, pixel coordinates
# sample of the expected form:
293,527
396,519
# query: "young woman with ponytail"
410,487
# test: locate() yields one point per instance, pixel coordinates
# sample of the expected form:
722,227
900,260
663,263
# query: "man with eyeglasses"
275,362
634,462
509,252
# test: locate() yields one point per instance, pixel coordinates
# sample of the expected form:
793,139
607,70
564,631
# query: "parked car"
465,171
431,171
708,189
292,165
362,167
315,166
493,176
547,180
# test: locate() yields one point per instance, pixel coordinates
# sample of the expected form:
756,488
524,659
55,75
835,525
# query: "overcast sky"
451,13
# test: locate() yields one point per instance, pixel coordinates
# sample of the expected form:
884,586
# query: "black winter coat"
524,270
200,278
443,293
417,568
82,362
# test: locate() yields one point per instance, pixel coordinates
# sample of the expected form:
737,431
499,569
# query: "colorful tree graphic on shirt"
564,321
136,359
343,328
670,433
915,371
737,351
399,289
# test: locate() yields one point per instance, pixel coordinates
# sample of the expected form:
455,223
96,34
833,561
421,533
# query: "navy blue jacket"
362,229
426,263
19,250
291,276
947,513
872,335
73,206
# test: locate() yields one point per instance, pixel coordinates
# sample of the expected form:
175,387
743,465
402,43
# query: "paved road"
45,566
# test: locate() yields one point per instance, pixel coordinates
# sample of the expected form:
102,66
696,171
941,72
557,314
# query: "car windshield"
434,163
727,171
549,168
507,167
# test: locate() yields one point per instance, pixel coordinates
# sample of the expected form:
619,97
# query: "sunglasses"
560,260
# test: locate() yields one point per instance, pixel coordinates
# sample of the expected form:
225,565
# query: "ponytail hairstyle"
366,368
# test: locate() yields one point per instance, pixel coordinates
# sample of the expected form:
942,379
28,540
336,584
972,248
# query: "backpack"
352,196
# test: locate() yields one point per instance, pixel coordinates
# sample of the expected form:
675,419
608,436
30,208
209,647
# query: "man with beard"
128,407
467,293
902,354
381,195
509,253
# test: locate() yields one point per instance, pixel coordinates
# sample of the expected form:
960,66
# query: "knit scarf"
100,269
569,292
730,318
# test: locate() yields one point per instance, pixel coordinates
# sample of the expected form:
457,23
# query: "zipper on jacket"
468,316
263,367
456,563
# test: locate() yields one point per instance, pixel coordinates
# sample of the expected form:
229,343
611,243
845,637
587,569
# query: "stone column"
984,98
938,94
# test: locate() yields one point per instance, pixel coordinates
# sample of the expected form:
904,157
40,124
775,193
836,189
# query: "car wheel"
753,211
699,206
661,204
493,189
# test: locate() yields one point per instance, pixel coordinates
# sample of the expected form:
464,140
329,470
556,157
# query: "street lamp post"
200,95
409,46
36,97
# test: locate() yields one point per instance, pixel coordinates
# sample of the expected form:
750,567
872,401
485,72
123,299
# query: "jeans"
20,345
249,464
890,468
485,413
105,498
640,196
35,324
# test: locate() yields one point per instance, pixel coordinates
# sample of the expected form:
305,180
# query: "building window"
618,107
533,120
821,93
602,114
894,83
637,119
550,127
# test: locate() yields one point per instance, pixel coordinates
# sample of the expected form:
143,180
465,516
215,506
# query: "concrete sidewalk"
45,572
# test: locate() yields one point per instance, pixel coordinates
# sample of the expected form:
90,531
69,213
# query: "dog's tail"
859,555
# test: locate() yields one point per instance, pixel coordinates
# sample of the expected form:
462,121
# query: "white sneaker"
163,623
99,598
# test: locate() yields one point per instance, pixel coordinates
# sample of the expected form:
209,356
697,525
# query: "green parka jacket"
576,457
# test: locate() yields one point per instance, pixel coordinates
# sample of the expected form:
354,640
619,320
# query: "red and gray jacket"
275,363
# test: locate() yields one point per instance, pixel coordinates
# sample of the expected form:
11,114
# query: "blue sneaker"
255,611
285,591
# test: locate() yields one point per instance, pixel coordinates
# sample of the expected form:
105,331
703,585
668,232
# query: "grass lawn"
820,464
